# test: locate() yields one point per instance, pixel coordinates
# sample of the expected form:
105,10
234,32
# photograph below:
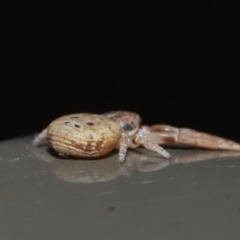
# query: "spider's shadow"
50,151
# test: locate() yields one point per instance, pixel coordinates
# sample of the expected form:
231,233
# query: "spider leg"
142,140
123,145
170,135
40,137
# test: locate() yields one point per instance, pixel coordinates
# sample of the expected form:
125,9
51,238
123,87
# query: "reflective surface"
196,195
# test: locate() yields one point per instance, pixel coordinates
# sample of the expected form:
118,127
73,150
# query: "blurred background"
173,63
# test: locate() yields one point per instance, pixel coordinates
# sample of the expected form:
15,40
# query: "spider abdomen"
84,135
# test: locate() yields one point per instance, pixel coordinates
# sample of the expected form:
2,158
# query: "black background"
173,63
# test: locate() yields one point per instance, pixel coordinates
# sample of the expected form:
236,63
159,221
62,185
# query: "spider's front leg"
166,134
141,139
123,146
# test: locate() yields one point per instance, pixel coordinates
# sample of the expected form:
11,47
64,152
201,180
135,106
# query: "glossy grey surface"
45,197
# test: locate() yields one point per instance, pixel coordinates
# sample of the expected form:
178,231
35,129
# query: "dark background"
173,63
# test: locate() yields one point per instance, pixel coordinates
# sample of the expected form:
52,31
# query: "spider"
92,135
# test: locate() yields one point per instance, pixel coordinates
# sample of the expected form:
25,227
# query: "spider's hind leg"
40,137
